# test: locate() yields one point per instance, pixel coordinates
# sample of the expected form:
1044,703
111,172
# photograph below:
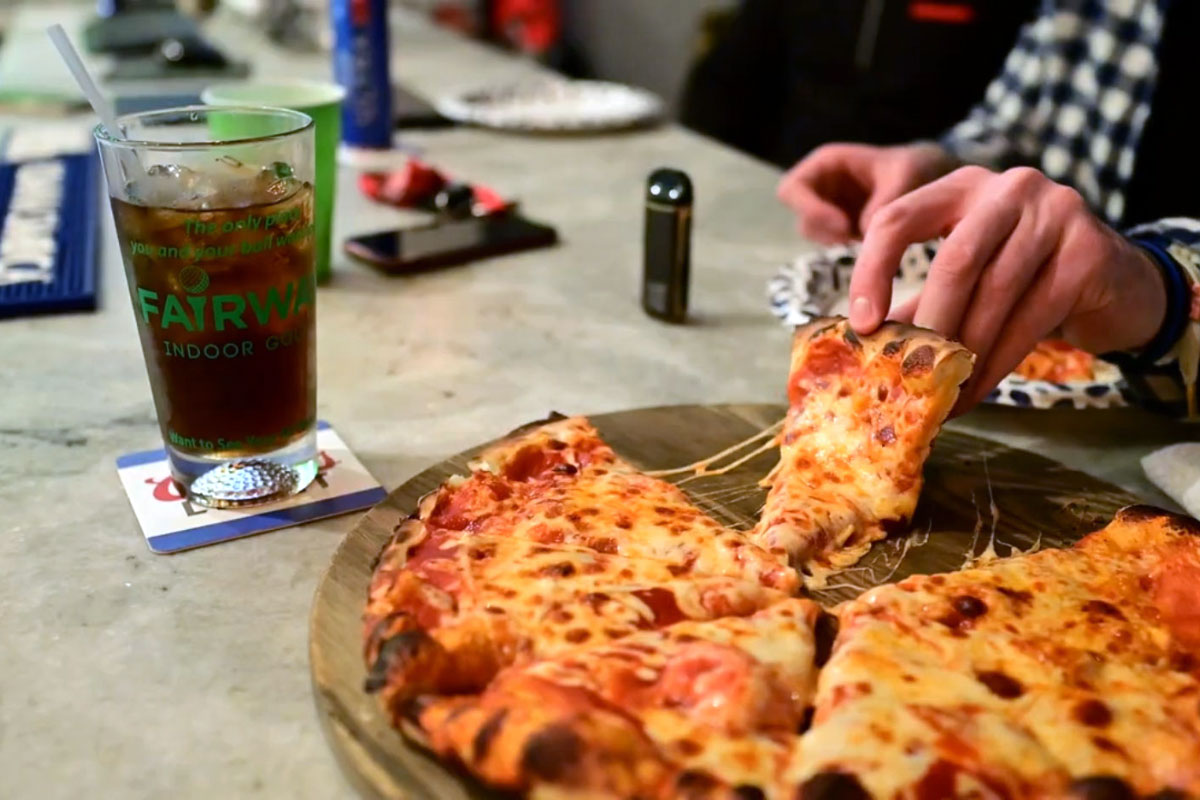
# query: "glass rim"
102,135
327,93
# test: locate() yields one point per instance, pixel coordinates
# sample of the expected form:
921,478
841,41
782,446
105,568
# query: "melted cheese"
856,437
1022,675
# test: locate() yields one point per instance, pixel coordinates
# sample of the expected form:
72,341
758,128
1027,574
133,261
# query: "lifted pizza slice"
863,413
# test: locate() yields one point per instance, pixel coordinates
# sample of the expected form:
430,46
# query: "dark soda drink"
213,208
224,297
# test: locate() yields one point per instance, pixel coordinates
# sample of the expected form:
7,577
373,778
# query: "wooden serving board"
978,493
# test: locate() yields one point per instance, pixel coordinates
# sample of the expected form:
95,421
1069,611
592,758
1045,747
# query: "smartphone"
449,242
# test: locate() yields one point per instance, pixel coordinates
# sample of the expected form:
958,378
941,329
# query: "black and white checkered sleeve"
1072,98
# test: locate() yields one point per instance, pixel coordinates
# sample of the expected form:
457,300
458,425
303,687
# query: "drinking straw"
70,57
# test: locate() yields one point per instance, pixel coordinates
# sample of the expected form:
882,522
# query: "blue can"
360,65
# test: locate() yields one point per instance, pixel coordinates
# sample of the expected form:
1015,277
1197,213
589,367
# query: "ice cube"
225,182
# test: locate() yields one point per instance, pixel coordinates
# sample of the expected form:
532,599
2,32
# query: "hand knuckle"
1022,178
971,173
1065,199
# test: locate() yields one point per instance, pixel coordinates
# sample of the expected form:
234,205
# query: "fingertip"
864,317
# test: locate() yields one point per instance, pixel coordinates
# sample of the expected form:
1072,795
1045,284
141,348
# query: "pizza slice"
560,483
1069,672
863,412
1058,362
451,614
697,709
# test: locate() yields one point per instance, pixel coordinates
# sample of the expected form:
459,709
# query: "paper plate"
553,106
816,284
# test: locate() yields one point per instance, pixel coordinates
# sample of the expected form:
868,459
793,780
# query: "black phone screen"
450,242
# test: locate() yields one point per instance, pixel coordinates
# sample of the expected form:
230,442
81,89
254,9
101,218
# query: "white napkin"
1176,470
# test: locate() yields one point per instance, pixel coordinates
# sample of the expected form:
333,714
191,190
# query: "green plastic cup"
322,102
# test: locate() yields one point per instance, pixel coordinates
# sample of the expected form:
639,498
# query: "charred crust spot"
819,327
1018,596
1093,712
885,435
563,569
825,631
556,444
595,599
1001,684
604,544
969,605
624,522
414,707
486,733
1108,745
375,561
1144,513
692,781
1103,608
1181,661
893,347
806,719
748,791
832,786
851,338
402,647
1141,513
1167,794
578,635
918,362
1101,787
482,551
552,753
566,469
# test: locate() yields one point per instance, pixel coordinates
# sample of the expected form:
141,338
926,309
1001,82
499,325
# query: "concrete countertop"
125,674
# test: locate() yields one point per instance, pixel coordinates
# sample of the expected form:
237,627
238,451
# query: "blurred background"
773,78
652,45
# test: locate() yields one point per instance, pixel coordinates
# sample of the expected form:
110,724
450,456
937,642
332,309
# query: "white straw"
75,64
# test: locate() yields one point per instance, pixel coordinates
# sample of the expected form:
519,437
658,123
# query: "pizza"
1066,673
560,624
863,412
552,541
699,707
1058,362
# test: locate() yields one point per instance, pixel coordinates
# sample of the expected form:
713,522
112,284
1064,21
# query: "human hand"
1023,258
837,188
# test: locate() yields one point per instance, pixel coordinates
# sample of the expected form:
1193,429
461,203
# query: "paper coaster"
171,523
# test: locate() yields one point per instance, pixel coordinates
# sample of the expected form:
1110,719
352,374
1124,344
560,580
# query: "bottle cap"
669,186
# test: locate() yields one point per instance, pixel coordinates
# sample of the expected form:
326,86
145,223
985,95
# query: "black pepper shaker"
666,269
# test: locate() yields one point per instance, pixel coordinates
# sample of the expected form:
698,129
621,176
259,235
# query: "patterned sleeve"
1072,98
1179,237
1000,131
